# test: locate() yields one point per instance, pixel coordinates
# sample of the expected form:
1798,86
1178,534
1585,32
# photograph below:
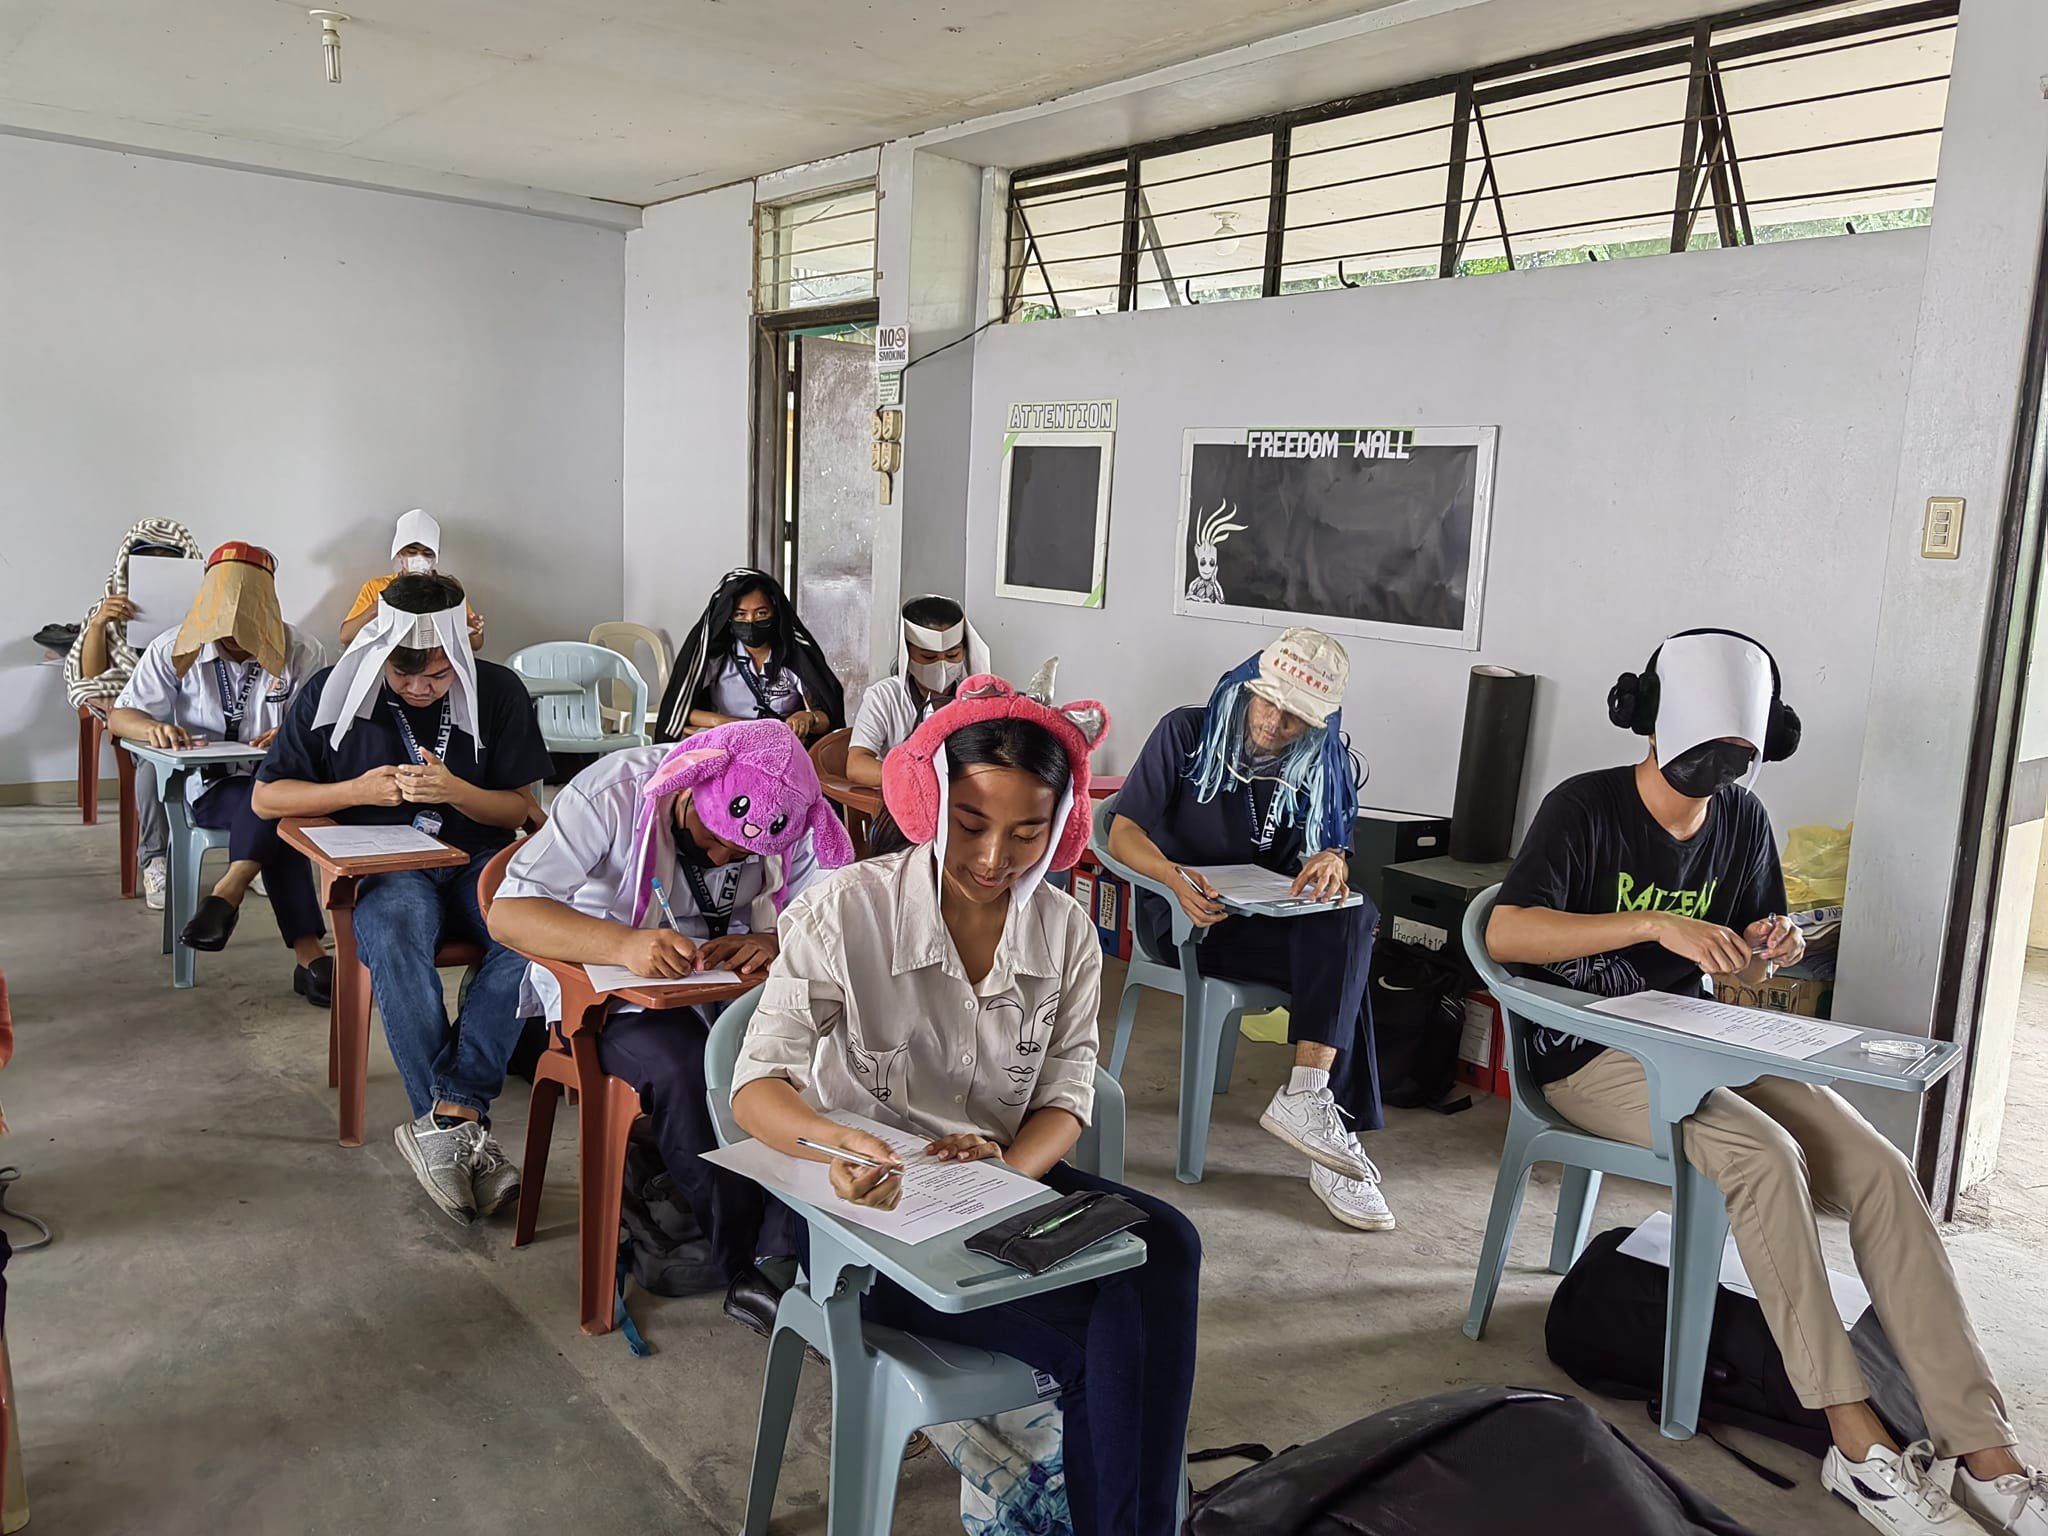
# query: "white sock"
1309,1080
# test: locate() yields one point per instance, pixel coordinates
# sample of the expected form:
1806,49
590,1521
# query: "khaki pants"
1779,1150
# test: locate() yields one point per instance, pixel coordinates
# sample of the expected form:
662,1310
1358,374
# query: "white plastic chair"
574,721
623,637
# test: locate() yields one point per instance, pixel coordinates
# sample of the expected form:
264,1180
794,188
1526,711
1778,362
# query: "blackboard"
1377,531
1054,531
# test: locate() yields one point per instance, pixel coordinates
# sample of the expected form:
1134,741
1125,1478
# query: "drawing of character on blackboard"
1212,529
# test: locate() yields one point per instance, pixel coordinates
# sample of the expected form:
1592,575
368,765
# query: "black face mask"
1707,768
754,632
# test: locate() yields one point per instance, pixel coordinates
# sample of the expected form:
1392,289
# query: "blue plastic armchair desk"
1682,1070
887,1384
185,846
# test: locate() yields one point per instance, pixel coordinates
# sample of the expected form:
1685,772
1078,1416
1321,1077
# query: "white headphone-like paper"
1710,687
353,686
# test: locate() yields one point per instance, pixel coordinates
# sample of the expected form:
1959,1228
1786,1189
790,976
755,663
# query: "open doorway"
813,485
1984,1132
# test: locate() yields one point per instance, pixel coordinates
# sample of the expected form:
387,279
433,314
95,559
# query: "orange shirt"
366,598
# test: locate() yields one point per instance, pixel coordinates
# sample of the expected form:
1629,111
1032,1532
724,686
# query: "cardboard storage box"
1808,996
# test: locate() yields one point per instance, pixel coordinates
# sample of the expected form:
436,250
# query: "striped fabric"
120,655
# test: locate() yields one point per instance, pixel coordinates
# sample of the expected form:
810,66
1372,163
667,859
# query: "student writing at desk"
750,658
729,826
1263,776
947,990
1654,876
101,660
935,648
229,673
409,728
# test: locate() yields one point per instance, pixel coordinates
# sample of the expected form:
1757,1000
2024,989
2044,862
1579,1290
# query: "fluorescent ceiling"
628,100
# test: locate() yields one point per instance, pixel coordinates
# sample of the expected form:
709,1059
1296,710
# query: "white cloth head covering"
353,686
1032,878
908,633
416,527
1709,687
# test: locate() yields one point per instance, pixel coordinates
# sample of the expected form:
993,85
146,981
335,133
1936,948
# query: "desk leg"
88,768
348,1027
181,900
124,773
1699,1232
604,1119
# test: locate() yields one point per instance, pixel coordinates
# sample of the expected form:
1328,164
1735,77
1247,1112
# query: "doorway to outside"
814,489
1984,1132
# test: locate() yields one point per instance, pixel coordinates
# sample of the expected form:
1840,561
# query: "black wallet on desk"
1068,1225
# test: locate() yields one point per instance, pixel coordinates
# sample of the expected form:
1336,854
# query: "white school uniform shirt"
889,712
194,700
585,858
868,1008
730,694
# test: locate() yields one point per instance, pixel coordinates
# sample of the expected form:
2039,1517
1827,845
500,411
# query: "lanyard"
412,744
757,684
1263,837
234,703
717,915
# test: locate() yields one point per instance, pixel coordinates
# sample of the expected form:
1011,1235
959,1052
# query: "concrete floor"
243,1328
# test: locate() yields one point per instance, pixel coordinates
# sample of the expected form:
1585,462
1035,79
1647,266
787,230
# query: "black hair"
933,612
428,593
1021,744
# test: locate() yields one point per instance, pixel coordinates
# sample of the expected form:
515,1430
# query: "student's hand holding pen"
880,1187
657,952
171,738
1198,898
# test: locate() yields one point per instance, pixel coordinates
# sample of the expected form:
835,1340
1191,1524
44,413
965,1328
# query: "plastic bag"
1816,866
1013,1479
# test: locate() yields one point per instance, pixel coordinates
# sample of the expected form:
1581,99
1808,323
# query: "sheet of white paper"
365,842
162,590
1780,1034
937,1197
1249,885
609,978
215,752
1651,1242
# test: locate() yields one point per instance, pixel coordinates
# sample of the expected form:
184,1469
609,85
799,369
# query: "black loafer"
751,1301
315,982
211,925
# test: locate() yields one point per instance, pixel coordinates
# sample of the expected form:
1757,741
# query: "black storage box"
1381,837
1426,901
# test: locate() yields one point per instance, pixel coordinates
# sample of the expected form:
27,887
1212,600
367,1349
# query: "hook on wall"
1345,280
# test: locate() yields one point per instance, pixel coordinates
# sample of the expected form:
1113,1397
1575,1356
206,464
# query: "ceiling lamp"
330,41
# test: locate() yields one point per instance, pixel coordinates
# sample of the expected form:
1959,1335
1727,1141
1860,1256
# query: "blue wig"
1318,778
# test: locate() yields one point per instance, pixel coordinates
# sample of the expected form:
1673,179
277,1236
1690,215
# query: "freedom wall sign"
1377,531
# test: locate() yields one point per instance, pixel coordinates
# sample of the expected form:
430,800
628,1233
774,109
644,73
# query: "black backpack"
1606,1331
1443,1465
1418,1018
660,1243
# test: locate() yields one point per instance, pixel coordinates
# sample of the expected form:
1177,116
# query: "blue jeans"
401,920
1122,1350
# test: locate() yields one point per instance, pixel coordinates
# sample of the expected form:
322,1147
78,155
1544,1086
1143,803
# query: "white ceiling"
628,100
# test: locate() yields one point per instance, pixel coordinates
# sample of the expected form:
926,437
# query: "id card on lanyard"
234,702
428,822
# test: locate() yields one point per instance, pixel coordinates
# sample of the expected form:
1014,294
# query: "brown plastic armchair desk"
859,804
607,1107
348,1019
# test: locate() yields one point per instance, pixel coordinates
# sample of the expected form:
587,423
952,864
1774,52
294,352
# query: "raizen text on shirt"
1335,442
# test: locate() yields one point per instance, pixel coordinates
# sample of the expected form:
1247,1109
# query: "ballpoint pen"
661,896
848,1157
1052,1223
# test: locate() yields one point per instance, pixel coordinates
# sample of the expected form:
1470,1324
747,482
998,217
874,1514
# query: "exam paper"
1250,885
937,1197
610,978
162,590
1779,1034
369,842
215,752
1651,1242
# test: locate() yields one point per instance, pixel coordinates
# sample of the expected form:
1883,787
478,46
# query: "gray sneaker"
494,1176
441,1159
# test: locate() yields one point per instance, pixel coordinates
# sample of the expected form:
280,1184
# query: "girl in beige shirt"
947,989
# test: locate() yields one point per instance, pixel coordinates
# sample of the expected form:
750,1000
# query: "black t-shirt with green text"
1594,847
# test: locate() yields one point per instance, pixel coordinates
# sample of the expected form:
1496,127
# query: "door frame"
2016,586
773,468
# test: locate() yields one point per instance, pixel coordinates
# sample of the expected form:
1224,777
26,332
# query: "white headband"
416,527
352,687
942,640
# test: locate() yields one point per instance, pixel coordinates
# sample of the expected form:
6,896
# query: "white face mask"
415,565
938,676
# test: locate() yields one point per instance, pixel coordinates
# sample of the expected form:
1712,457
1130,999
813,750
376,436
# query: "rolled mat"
1490,761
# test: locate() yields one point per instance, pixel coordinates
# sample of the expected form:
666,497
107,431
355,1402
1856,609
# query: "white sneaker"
2016,1503
1313,1125
259,887
1355,1202
1904,1492
156,875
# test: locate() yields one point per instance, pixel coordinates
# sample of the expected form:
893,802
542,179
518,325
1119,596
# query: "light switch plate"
1941,535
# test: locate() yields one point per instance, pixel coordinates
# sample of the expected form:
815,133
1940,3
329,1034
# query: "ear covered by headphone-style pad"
1632,702
1781,739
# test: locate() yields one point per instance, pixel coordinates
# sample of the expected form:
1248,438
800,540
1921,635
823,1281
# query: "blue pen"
667,912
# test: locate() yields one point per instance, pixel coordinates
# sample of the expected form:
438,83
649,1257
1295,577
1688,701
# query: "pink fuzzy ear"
682,769
830,845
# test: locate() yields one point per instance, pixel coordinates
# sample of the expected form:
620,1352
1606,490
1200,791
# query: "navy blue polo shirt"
513,757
